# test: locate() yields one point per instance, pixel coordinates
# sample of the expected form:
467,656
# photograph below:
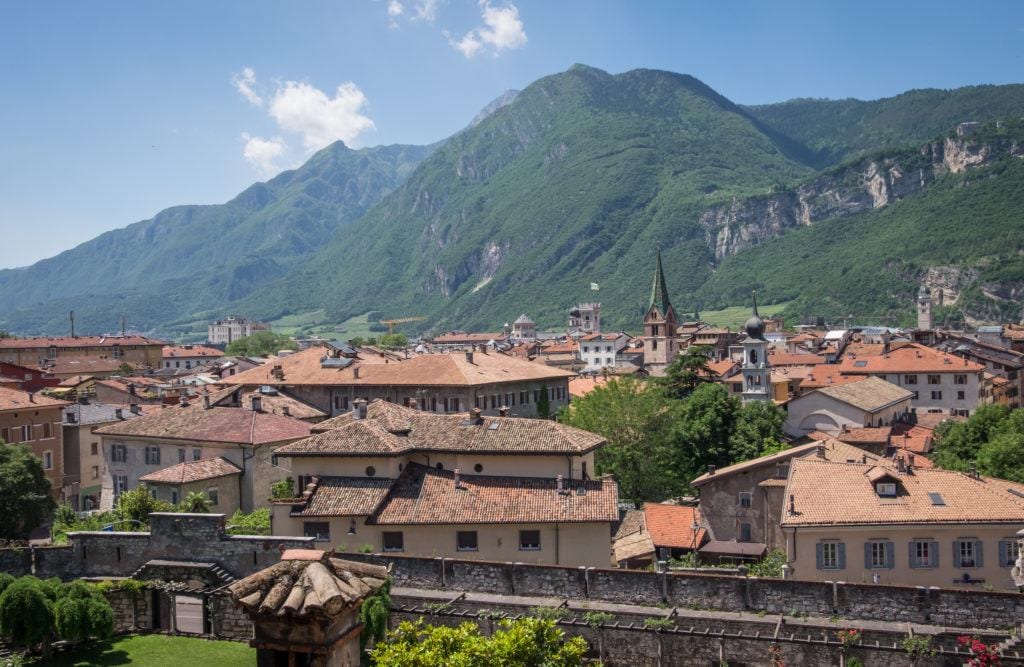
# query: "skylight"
936,498
493,426
860,364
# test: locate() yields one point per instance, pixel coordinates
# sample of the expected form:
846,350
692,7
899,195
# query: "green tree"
528,642
26,614
1003,456
702,432
138,503
635,419
25,501
958,442
758,430
256,522
125,369
259,344
282,489
544,403
374,614
687,370
394,341
82,612
196,502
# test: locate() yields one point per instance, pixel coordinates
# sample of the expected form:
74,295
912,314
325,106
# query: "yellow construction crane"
400,320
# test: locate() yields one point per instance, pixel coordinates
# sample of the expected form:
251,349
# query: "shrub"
596,619
659,623
283,490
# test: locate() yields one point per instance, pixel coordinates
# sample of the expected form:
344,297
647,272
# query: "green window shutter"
956,553
1004,553
867,555
890,555
911,553
842,555
933,552
819,553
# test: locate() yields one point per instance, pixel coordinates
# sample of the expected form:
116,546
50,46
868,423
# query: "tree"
527,642
958,442
25,501
259,344
82,612
256,522
1003,456
686,371
702,431
138,504
544,403
394,341
125,369
283,489
26,614
634,417
196,502
758,430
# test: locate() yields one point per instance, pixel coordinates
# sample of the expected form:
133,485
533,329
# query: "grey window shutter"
842,555
933,552
890,555
867,555
978,560
911,553
956,553
819,552
1004,553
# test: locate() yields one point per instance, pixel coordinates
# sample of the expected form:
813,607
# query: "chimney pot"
360,409
476,414
286,411
561,484
355,372
711,469
134,408
31,397
910,460
503,411
256,403
458,481
206,401
819,451
469,356
118,413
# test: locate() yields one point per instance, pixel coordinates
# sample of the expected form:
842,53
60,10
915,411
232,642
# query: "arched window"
753,356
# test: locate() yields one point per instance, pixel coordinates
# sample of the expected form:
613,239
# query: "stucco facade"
816,411
38,427
222,492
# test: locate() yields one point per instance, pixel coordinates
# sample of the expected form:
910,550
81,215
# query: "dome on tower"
575,312
754,324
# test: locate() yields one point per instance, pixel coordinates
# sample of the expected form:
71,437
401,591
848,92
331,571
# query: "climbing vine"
374,614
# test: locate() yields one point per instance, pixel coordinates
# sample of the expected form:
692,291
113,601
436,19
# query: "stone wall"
710,591
132,611
227,621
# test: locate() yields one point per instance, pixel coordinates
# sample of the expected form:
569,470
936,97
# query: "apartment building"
35,352
598,350
868,402
902,525
466,486
189,356
35,420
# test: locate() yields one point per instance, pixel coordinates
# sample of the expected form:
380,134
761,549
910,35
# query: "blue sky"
115,110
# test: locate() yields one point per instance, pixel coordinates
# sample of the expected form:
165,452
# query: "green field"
734,316
157,651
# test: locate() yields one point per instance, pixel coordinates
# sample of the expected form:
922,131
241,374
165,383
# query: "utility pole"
71,316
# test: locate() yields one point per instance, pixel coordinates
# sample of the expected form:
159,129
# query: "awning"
723,548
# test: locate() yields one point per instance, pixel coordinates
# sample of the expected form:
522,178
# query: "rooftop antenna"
122,326
71,316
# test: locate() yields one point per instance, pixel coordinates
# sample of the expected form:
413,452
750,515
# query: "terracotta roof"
671,526
828,493
913,437
190,351
866,435
720,368
834,450
15,399
786,359
192,471
74,380
456,338
911,358
346,496
772,482
871,394
423,495
826,375
85,366
275,402
236,425
629,546
77,341
568,347
424,370
389,429
582,386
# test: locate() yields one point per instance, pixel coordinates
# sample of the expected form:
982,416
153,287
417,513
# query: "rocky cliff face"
860,186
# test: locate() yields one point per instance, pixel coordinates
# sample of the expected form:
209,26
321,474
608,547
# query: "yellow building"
36,352
467,486
900,525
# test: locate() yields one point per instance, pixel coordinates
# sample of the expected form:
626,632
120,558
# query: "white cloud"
306,110
395,8
424,10
502,29
244,82
263,153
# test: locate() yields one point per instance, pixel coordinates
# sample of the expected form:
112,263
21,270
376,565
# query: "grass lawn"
734,316
158,651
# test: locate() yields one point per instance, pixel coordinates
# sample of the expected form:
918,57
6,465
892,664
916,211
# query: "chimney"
792,504
286,410
71,417
973,471
561,484
458,481
413,404
256,403
131,388
31,397
503,411
360,409
910,460
83,400
355,372
183,400
711,469
206,401
469,356
118,413
475,415
901,465
135,409
819,451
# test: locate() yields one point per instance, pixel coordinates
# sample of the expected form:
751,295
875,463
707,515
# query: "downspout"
557,558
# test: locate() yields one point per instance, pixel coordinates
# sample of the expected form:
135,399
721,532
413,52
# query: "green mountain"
832,207
162,272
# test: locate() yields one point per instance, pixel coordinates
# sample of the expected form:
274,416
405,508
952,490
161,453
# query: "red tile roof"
346,496
191,351
425,495
826,375
15,399
77,341
193,422
913,437
911,358
672,526
192,471
786,359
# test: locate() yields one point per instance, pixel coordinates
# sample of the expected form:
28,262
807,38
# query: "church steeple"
659,290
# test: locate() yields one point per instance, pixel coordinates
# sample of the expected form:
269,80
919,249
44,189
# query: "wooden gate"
188,614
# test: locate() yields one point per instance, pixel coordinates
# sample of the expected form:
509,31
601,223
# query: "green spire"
659,291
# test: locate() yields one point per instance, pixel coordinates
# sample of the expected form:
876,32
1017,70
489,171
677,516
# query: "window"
744,532
934,379
909,379
967,553
831,555
319,530
47,460
522,398
960,395
5,434
118,453
393,541
608,361
510,400
746,499
465,540
886,489
341,402
47,434
529,540
152,455
174,496
494,401
94,448
197,454
879,555
181,454
585,348
959,379
370,471
654,344
26,433
214,496
451,404
1009,551
536,395
120,485
913,396
936,395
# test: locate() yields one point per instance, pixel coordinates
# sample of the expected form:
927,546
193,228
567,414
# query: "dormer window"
885,489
